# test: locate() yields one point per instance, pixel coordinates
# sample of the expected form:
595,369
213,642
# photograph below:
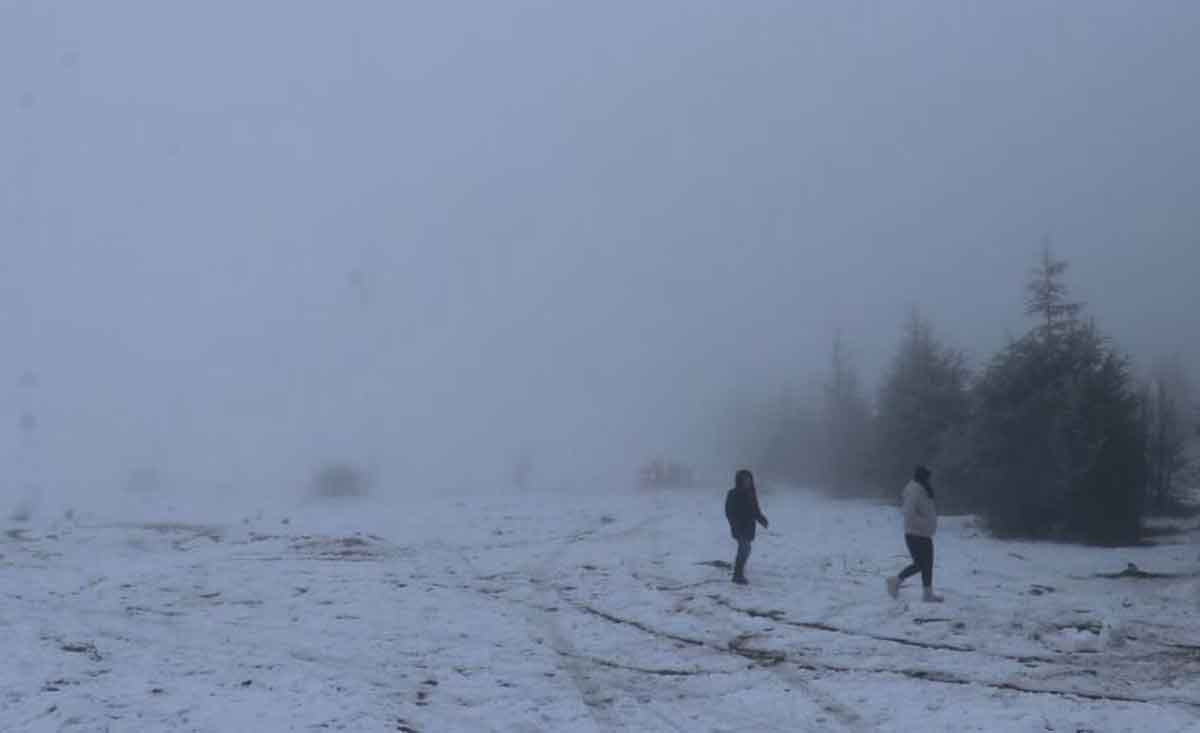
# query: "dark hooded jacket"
742,511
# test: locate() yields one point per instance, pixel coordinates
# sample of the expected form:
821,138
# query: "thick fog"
242,239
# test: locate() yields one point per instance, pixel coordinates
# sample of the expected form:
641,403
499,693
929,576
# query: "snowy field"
549,612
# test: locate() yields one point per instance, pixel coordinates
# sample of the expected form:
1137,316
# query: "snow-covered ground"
553,612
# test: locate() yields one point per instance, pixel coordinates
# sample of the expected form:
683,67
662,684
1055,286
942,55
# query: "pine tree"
1046,294
1057,440
924,399
847,424
796,440
1166,400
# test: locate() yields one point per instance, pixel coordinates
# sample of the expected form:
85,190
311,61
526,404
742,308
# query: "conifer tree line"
1055,436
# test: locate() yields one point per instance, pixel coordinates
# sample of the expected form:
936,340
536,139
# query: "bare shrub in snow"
22,512
340,480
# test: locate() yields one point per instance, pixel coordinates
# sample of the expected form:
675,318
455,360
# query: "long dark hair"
923,476
743,479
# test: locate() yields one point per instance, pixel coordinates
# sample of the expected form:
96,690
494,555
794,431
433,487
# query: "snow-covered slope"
548,612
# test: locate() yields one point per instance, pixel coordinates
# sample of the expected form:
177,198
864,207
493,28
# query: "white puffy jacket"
920,513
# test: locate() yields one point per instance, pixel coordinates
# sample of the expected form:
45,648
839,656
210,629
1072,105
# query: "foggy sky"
577,227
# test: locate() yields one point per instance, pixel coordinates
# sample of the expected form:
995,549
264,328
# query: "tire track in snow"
764,659
774,658
596,697
845,717
946,677
590,693
779,617
592,697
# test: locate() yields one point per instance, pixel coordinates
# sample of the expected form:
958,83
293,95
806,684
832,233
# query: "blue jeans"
743,554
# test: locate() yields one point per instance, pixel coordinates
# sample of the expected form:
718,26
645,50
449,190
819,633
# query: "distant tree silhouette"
1167,404
847,419
923,402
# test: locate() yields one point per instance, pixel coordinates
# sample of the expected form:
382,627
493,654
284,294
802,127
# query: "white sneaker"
893,586
931,597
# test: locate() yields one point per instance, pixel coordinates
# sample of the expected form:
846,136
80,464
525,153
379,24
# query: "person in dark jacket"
742,511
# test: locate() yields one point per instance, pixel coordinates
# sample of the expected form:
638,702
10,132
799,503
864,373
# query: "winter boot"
931,597
740,579
893,586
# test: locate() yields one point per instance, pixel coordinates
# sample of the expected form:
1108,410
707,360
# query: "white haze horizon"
241,241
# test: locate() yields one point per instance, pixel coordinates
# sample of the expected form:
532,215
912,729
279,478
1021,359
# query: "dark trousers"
743,554
921,549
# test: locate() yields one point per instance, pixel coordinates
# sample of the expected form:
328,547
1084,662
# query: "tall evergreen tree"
847,424
1046,294
923,399
1057,440
795,446
1166,407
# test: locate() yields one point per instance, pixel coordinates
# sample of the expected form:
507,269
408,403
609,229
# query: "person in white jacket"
920,524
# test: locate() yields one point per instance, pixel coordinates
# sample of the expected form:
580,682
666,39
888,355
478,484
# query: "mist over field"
386,366
437,240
